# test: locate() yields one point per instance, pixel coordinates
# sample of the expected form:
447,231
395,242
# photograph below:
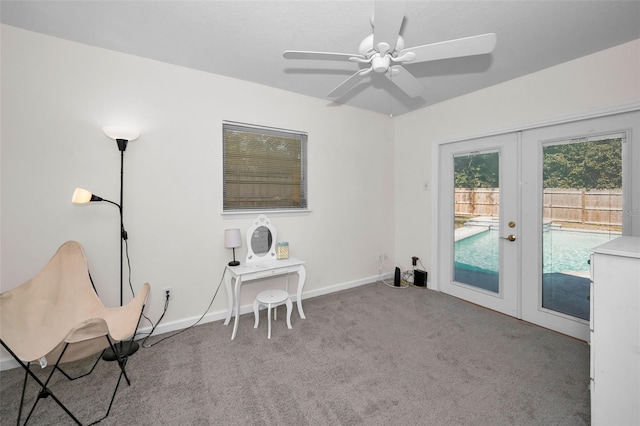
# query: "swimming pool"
565,277
564,251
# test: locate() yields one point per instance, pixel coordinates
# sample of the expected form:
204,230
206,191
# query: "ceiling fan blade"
387,20
349,83
326,56
405,81
475,45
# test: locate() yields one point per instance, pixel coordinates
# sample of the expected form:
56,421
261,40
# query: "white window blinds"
264,168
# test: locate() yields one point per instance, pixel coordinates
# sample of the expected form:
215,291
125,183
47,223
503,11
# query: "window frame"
266,131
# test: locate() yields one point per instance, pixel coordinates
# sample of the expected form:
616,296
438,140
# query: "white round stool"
272,299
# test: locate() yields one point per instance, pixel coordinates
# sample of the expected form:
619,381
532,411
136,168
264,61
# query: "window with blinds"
264,168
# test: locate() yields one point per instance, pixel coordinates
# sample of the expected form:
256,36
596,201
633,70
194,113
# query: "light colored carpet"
372,355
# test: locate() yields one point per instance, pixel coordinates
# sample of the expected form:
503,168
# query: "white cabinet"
615,332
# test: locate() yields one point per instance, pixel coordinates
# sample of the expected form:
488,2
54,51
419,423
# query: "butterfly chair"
57,317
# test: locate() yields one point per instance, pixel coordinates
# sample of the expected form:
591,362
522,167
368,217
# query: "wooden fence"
477,202
592,207
254,191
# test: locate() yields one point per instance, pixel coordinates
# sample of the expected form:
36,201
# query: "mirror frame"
252,257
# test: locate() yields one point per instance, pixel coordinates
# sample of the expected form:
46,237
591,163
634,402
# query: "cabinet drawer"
270,273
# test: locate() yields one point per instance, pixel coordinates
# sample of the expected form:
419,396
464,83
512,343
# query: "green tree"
477,171
589,165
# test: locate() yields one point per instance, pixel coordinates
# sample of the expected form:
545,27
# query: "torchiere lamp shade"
123,133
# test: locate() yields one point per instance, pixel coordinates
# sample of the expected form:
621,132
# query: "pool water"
565,278
564,251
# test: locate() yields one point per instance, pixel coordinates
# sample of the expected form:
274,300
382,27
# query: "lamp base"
125,348
234,263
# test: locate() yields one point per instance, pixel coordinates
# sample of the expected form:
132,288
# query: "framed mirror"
261,240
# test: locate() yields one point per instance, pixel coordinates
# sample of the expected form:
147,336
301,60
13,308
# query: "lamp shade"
122,133
81,196
232,238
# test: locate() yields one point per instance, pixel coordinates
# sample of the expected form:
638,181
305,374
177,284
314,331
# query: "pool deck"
469,231
475,226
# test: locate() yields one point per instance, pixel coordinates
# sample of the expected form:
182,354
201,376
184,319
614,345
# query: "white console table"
256,271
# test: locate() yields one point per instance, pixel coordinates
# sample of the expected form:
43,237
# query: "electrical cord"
166,305
133,293
407,277
392,285
423,268
126,249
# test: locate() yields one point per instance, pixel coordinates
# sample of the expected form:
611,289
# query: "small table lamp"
233,240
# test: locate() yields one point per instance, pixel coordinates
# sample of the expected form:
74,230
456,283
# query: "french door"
574,209
478,225
518,214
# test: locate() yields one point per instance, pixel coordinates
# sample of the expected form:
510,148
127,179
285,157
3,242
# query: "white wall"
56,97
606,79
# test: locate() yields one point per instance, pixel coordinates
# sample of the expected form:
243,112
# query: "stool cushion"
270,297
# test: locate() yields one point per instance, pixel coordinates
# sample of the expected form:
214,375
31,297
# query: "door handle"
510,237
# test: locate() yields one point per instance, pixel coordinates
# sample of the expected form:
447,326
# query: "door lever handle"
510,237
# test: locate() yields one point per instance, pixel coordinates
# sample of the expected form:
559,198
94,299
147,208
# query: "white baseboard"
7,362
248,308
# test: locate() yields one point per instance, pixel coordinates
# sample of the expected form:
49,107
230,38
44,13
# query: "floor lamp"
81,196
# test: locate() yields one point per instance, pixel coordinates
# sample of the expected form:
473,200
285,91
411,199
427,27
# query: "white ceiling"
246,39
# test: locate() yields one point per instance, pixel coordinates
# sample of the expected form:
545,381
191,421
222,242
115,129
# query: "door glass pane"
582,208
477,196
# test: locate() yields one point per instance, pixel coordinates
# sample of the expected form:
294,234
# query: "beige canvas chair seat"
57,316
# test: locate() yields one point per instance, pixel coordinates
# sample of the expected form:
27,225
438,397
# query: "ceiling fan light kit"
385,52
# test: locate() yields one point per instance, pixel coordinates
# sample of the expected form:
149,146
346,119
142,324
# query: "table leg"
236,303
227,284
302,274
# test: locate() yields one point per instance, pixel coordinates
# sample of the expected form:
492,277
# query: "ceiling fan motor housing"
367,49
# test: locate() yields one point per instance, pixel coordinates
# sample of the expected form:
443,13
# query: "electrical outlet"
379,271
168,291
382,256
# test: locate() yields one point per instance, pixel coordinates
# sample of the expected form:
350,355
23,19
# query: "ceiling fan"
385,53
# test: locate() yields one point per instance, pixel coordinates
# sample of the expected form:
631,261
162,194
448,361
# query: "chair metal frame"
45,391
56,317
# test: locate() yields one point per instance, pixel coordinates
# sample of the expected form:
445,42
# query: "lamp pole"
125,348
122,146
80,196
122,137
